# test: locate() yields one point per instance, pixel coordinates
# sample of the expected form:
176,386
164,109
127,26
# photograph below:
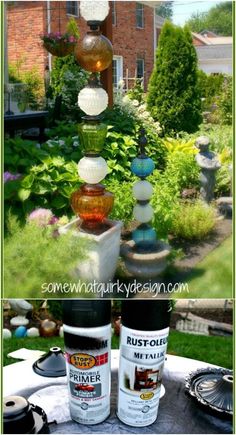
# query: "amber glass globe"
92,135
92,203
94,52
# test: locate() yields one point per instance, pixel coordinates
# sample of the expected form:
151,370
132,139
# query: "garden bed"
195,251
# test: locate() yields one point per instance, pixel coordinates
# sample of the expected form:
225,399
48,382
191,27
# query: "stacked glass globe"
92,203
144,235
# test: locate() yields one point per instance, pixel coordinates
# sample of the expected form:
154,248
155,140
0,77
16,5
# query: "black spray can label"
88,372
142,356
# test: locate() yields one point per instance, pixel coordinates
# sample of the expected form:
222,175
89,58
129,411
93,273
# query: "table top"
26,114
178,413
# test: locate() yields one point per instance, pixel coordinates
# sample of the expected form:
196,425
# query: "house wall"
131,42
27,19
216,66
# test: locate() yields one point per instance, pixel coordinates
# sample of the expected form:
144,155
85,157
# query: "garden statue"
21,307
209,164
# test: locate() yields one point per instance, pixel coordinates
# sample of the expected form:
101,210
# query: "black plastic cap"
146,315
86,313
51,365
20,416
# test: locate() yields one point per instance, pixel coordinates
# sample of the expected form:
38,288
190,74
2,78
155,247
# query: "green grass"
212,277
214,350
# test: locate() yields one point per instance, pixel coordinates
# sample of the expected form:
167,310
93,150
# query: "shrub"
193,220
136,92
163,201
180,145
173,92
33,257
210,87
33,92
124,200
67,79
48,175
223,181
181,172
225,102
220,136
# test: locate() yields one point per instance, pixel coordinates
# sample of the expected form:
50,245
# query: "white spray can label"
88,372
142,356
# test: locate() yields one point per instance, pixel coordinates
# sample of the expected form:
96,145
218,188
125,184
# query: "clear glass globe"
92,169
142,190
93,101
94,10
143,213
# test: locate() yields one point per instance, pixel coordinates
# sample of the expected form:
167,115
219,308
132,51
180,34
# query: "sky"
183,9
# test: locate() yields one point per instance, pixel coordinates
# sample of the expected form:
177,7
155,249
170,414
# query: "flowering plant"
61,44
55,38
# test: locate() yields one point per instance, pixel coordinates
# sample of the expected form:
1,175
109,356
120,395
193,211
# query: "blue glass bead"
144,233
20,332
142,167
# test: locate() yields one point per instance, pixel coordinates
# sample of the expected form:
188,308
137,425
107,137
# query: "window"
72,8
139,16
140,68
117,70
113,10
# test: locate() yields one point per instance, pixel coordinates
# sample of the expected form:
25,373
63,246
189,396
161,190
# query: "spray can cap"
86,313
146,315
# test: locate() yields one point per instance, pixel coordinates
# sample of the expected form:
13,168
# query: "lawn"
214,350
212,277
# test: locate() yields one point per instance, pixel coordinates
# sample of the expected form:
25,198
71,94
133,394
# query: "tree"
173,91
165,9
218,20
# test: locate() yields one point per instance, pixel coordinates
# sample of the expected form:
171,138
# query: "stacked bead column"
144,235
92,203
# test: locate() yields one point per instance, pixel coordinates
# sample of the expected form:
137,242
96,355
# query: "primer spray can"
87,336
143,343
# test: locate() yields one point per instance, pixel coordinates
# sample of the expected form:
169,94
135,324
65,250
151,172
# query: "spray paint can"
143,344
87,336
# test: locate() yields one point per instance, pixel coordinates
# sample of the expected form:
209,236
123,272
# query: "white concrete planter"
103,252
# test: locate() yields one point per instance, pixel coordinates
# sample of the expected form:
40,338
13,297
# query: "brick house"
135,29
214,52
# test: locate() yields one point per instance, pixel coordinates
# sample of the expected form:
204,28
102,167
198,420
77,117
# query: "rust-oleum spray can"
143,344
87,336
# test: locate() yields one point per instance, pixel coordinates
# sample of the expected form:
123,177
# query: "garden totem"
92,203
145,256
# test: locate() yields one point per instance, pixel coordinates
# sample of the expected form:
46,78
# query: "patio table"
177,414
26,120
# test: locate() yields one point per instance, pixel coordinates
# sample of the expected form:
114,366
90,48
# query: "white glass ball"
94,10
93,101
142,190
143,213
6,333
92,169
32,332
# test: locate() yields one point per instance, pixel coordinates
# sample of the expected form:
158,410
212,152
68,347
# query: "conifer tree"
173,91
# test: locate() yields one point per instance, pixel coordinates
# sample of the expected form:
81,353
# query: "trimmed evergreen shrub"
173,91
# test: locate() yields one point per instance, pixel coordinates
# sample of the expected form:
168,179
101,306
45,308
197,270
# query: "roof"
214,40
208,32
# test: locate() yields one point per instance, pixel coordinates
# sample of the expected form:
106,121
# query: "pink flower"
53,220
72,39
41,216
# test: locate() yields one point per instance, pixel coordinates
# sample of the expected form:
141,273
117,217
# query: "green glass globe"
92,135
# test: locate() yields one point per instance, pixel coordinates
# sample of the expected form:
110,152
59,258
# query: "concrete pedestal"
103,252
145,265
